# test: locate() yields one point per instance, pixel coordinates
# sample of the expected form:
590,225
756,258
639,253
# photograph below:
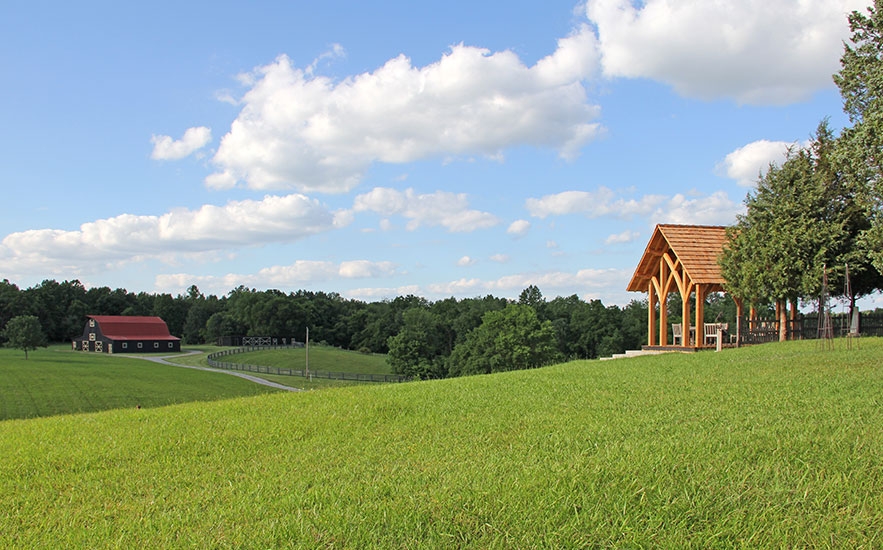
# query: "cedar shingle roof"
133,327
697,246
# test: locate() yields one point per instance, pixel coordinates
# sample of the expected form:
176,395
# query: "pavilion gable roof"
697,246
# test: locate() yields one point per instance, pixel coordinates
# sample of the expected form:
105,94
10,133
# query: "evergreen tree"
860,148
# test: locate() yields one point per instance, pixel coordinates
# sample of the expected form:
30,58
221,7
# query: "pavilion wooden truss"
679,258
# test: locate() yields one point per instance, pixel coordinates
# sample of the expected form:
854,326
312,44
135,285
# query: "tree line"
423,338
815,223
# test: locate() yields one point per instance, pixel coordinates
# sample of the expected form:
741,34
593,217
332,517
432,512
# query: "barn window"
125,345
91,336
92,323
140,345
171,346
85,345
156,345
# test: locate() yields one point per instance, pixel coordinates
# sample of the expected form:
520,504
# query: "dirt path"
164,360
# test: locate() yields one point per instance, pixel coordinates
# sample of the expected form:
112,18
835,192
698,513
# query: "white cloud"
337,51
749,162
362,269
465,261
110,242
519,228
716,208
166,148
585,282
593,204
500,258
314,134
448,210
753,51
291,276
622,238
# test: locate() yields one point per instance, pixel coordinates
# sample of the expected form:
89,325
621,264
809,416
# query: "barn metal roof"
697,246
133,327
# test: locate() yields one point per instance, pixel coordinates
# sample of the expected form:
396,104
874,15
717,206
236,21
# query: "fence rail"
807,328
212,359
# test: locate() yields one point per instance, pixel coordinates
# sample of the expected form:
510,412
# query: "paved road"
254,379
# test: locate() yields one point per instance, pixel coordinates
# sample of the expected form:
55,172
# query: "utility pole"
307,371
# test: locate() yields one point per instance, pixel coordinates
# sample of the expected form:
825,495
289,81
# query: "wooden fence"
807,328
213,361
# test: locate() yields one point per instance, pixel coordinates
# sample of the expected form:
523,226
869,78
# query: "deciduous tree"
419,348
509,339
25,333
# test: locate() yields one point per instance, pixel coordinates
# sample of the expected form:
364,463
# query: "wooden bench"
713,331
677,333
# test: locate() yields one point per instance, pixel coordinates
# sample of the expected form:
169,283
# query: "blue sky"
383,149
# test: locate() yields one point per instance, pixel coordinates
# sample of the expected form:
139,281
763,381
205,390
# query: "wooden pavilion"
680,258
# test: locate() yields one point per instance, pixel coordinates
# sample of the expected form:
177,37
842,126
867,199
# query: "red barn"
126,334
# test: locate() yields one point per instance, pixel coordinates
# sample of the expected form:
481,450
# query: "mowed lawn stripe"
59,381
775,446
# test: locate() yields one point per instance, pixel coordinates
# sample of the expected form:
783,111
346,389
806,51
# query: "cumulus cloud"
589,283
622,238
126,238
290,276
753,51
713,209
519,228
301,131
500,258
465,261
442,208
167,148
746,164
593,204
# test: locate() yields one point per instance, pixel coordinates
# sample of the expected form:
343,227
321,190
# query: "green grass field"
779,445
57,380
322,358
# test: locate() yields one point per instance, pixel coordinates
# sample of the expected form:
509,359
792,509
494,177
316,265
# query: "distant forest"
580,329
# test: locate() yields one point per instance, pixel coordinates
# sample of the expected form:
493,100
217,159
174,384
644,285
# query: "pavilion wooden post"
662,293
651,315
700,315
686,288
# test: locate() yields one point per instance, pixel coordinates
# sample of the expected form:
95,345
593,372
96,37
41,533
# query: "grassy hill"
776,445
322,358
59,381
